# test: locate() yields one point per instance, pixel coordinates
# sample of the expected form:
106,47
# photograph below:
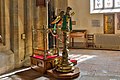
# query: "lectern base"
58,75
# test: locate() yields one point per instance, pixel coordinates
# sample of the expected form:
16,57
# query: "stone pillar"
21,33
28,17
2,20
36,25
4,25
39,15
14,35
7,25
43,22
16,30
0,17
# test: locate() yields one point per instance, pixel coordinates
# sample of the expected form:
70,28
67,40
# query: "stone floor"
93,64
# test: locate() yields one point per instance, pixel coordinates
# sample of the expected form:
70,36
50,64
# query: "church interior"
60,39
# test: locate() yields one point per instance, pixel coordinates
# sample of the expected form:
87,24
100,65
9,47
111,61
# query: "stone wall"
7,61
18,18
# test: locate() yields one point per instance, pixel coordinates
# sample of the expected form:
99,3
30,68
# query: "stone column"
39,15
7,24
21,33
14,35
2,20
16,30
0,17
37,33
28,17
43,22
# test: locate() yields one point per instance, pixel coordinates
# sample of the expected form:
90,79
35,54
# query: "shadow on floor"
26,75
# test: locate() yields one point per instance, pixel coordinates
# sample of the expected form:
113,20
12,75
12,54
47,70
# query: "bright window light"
81,58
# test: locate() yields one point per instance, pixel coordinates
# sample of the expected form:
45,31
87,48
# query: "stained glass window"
98,4
108,3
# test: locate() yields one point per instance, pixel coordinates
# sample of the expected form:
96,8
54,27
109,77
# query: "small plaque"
96,23
73,22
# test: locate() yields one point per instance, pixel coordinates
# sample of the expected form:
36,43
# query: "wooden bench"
77,33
